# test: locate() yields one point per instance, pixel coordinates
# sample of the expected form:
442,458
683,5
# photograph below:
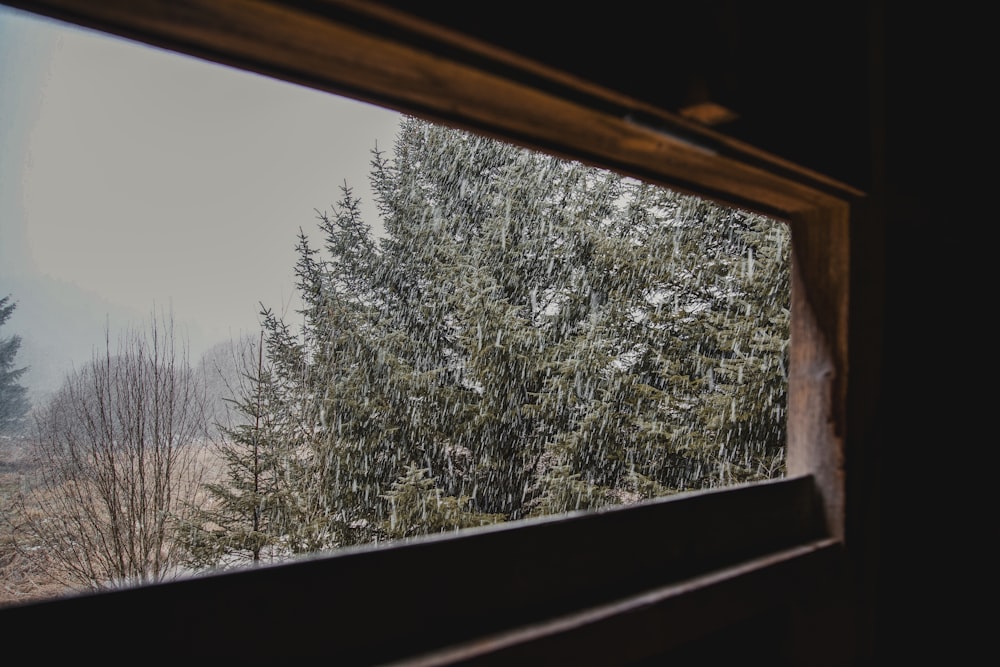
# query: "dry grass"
33,577
22,579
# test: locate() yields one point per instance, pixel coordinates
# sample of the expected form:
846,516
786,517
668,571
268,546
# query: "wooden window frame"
629,582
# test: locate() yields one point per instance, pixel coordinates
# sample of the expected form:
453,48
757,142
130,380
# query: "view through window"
258,322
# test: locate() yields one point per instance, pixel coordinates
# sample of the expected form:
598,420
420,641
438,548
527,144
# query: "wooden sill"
656,622
538,582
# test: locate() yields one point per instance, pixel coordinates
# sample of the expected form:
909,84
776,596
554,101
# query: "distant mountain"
61,325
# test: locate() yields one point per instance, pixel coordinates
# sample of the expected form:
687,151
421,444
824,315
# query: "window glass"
259,322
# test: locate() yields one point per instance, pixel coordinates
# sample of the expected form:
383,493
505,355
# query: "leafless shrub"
116,461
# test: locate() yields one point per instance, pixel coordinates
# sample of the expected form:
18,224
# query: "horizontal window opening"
486,335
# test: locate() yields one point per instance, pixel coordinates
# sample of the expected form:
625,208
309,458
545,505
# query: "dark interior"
834,94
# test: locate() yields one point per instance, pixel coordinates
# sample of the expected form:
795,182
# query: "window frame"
757,547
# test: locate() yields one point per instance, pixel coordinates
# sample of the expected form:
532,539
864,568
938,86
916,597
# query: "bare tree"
118,463
224,369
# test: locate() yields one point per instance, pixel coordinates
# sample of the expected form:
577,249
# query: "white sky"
154,179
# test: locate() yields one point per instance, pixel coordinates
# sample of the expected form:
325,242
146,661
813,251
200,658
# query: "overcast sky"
147,179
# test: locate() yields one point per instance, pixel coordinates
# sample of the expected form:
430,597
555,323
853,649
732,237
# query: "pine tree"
530,336
248,512
418,507
343,383
14,404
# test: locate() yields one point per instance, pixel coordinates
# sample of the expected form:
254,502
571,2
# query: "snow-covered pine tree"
248,510
532,335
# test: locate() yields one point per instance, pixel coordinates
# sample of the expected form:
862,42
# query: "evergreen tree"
249,510
529,336
418,507
14,404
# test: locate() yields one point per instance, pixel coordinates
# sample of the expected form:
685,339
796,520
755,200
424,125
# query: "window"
564,579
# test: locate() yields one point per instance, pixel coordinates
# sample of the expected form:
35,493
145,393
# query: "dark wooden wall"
866,92
797,74
851,90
